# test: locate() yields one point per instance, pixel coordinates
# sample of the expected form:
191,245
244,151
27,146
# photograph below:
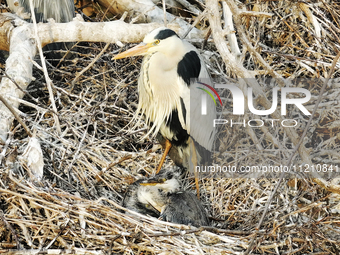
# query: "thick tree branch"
109,32
18,67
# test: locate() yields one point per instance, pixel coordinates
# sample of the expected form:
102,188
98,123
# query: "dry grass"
90,164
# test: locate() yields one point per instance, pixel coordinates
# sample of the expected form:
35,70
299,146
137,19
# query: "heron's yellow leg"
194,163
197,186
166,150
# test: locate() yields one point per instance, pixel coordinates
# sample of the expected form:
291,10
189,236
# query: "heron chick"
162,196
148,195
169,97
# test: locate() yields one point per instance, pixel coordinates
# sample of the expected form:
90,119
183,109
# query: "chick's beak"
153,182
140,49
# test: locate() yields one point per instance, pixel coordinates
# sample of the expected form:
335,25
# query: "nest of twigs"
88,166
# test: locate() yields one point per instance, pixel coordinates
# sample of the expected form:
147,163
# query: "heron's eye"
156,42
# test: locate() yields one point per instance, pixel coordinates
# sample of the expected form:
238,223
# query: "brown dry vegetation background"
76,207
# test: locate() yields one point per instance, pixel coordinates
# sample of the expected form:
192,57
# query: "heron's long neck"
145,70
159,91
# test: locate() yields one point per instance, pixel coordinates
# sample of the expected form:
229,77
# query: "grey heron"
170,101
60,10
162,196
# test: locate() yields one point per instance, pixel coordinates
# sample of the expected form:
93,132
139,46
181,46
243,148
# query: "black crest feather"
166,33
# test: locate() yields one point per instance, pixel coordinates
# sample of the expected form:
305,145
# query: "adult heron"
170,97
60,10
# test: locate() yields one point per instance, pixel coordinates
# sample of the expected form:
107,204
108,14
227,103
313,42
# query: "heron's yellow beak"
140,49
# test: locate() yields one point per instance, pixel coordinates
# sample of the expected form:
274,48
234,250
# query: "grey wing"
185,208
200,126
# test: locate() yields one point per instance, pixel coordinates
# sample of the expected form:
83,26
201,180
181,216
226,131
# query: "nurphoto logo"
238,105
204,97
238,99
235,110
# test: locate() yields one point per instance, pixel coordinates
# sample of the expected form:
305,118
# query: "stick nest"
76,207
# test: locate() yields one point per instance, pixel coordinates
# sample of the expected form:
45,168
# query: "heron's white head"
161,39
